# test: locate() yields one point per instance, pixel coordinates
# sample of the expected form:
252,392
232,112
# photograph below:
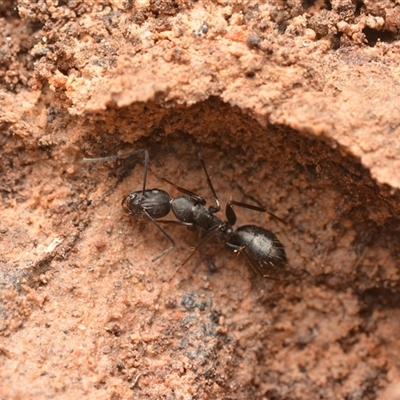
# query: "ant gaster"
261,247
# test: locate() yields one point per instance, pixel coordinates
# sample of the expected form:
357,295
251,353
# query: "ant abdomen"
260,246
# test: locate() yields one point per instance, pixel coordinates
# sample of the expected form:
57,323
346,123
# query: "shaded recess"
342,229
373,36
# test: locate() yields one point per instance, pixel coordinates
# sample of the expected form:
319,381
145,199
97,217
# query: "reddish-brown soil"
294,105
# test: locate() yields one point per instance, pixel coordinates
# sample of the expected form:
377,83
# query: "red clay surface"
293,106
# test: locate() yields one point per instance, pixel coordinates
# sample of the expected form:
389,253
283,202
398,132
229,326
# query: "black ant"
260,247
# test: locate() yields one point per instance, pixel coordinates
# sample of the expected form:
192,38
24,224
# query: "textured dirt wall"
293,106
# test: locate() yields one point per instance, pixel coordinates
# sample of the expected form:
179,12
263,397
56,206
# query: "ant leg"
117,157
190,225
193,195
257,269
254,266
250,207
176,222
230,214
206,237
164,232
210,185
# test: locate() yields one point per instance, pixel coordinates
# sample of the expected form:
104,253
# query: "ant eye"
132,197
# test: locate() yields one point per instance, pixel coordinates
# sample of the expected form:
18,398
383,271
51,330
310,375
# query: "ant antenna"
126,155
255,208
210,185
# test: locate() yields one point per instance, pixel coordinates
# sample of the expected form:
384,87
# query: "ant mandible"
261,247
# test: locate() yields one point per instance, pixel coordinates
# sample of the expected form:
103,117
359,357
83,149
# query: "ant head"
131,204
